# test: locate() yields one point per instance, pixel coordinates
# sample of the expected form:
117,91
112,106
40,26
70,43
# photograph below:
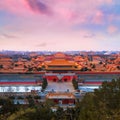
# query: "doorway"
65,80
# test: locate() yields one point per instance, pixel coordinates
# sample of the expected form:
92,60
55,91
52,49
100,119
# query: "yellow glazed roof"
60,62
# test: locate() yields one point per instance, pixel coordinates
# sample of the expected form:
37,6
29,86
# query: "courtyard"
60,86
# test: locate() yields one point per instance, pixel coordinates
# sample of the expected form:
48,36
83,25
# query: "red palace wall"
92,83
64,101
68,78
98,73
17,83
64,78
52,78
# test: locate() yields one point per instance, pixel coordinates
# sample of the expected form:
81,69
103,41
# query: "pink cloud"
63,11
98,17
39,6
109,1
112,29
73,11
17,7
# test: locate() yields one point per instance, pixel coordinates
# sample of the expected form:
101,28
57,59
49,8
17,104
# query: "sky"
60,25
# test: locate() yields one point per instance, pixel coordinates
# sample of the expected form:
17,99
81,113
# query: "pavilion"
61,98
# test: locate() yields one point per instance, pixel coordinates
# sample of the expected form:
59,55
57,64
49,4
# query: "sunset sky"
59,25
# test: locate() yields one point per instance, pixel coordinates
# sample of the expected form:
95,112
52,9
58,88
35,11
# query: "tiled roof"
60,96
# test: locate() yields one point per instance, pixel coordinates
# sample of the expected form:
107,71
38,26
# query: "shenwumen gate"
60,68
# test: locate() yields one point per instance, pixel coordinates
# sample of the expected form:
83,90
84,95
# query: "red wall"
17,83
91,83
52,78
56,101
67,77
98,72
65,101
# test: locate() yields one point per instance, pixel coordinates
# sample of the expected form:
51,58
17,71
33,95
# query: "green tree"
87,108
32,114
103,104
44,83
7,106
75,83
60,114
30,101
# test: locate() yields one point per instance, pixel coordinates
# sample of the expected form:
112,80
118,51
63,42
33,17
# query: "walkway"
60,86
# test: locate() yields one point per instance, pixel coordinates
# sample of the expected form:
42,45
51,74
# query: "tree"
32,114
87,108
44,83
59,115
93,66
43,67
70,114
31,101
103,104
25,66
75,83
1,66
7,106
37,97
118,67
30,69
109,93
39,69
84,69
16,65
100,62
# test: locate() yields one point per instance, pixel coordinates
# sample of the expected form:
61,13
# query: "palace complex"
59,70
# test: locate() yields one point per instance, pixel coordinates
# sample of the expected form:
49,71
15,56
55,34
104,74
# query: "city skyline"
62,25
